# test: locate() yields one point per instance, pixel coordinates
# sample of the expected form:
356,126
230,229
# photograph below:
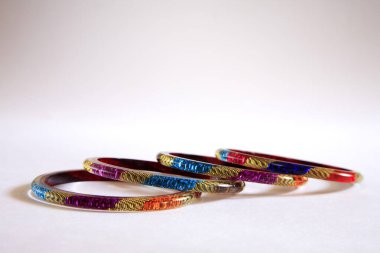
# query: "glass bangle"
155,174
43,188
213,167
279,164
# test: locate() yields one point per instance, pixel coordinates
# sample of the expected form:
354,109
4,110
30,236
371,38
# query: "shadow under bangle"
285,165
213,167
151,173
43,187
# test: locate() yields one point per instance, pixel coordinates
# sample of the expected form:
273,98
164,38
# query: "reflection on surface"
252,190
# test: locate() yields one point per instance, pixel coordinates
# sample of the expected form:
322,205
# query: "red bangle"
284,165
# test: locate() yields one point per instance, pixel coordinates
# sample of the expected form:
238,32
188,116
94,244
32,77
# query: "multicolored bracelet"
150,173
278,164
213,167
43,187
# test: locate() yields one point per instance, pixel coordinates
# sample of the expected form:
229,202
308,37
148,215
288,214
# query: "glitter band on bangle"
43,187
285,165
151,173
213,167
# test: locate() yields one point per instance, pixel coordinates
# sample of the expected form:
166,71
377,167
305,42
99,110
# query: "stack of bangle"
189,175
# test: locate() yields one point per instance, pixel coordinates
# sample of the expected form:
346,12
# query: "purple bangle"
43,187
213,167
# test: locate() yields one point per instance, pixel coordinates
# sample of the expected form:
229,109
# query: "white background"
131,78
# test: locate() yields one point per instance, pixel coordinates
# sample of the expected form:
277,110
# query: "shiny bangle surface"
43,187
151,173
213,167
286,165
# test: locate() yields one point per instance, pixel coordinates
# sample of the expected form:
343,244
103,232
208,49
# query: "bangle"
213,167
43,187
150,173
285,165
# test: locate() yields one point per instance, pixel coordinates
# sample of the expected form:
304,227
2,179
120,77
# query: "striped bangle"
285,165
43,187
213,167
151,173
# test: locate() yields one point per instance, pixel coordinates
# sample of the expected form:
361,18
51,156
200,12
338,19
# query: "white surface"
131,78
